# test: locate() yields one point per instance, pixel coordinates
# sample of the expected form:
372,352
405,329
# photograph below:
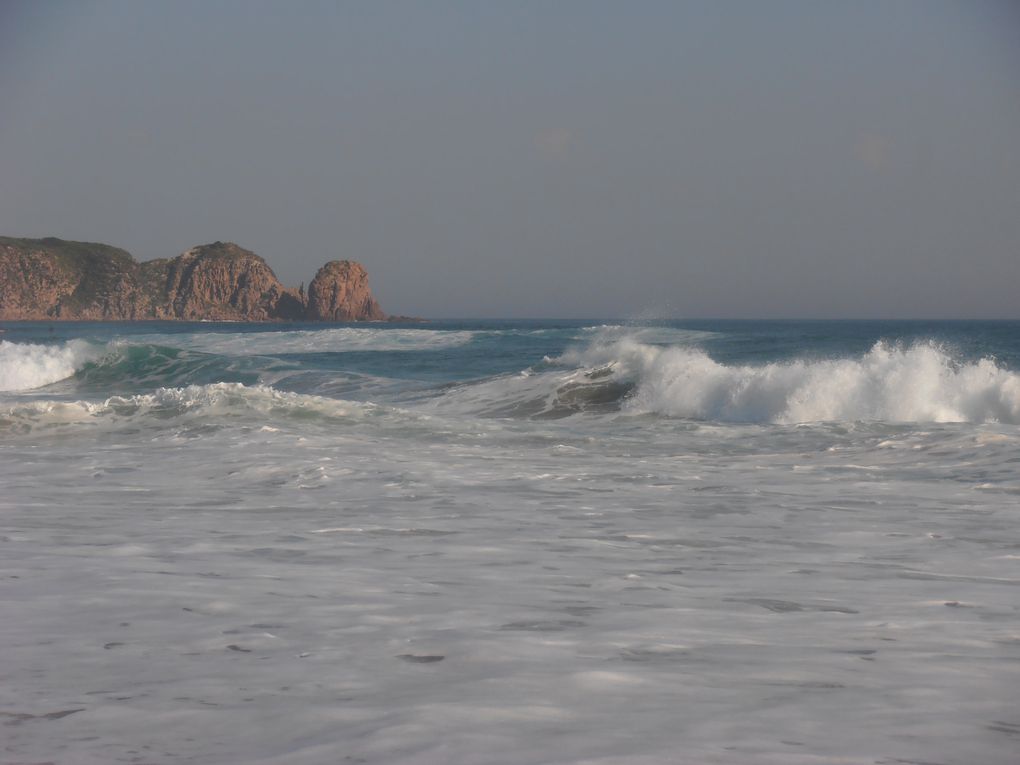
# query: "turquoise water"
511,542
134,357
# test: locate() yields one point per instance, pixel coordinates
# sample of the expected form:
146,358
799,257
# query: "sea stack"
339,292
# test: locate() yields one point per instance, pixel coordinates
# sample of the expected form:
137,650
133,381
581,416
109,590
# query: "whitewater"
504,542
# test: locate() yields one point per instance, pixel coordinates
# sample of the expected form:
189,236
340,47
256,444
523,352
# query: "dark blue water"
506,346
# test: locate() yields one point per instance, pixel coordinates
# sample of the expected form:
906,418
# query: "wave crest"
24,366
617,373
326,340
920,383
203,404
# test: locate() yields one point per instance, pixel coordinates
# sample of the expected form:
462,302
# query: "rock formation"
339,292
45,279
52,279
223,281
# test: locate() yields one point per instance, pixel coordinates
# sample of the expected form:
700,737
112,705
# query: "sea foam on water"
510,544
917,383
24,366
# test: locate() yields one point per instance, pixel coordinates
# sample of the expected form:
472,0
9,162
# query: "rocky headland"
53,279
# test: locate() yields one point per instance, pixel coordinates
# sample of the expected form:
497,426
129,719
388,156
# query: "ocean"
510,542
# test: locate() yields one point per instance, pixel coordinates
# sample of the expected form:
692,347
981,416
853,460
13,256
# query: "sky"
640,159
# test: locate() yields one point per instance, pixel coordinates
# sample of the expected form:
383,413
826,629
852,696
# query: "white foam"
600,589
328,340
506,394
920,383
195,402
24,366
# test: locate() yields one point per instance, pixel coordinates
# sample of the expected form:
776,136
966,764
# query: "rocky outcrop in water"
339,292
44,279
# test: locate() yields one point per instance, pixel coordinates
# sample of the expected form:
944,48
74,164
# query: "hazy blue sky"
722,158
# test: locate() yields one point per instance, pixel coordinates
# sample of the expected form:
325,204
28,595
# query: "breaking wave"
119,366
616,372
200,404
331,340
919,383
621,374
24,366
124,367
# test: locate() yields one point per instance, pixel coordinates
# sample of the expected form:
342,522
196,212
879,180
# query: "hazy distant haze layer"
533,159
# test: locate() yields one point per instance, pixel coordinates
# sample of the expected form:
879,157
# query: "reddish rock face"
46,279
51,279
224,281
339,292
31,287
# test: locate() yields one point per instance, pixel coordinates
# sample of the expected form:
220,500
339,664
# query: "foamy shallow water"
228,573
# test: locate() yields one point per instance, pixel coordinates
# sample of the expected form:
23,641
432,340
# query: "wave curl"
24,366
919,383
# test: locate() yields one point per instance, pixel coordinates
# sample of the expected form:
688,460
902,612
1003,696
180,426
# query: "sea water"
510,542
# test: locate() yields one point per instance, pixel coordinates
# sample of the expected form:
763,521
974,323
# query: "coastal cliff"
46,279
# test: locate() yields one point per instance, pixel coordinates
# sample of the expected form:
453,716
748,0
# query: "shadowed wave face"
529,371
